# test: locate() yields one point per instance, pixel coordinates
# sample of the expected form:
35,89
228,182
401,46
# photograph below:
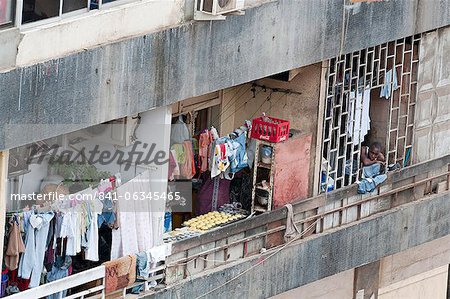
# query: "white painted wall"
27,184
97,27
39,42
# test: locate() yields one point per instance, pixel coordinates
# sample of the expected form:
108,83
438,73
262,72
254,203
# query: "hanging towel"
139,219
291,229
120,273
188,167
358,124
204,149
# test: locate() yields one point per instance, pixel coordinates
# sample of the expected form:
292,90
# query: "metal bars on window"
355,85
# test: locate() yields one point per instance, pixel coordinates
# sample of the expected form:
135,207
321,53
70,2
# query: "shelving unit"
287,174
257,184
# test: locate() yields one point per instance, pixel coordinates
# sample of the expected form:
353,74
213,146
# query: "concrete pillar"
3,196
366,281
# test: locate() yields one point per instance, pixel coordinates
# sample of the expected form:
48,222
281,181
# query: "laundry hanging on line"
390,84
358,123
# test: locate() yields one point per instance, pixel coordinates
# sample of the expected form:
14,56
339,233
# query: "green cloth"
180,155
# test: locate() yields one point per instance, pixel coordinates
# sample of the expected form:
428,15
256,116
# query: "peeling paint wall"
157,69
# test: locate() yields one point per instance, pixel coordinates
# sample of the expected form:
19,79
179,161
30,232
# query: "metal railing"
66,283
91,283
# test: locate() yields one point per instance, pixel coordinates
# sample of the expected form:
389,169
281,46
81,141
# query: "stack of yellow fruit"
210,220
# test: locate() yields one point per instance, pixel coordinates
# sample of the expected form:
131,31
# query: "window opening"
370,96
6,12
37,10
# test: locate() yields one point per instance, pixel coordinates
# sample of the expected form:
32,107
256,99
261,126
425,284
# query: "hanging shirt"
221,162
69,230
91,251
389,84
239,159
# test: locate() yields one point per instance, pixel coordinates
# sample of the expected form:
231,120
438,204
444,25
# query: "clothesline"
52,207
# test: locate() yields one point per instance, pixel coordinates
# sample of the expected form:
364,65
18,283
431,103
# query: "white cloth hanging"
179,132
358,123
136,218
91,252
144,212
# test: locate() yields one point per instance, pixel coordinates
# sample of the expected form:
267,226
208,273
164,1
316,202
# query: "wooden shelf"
268,188
264,165
259,165
259,208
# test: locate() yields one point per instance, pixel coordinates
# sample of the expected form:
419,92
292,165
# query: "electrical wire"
239,108
263,260
231,103
235,95
267,99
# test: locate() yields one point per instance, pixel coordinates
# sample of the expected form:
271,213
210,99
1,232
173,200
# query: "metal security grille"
351,79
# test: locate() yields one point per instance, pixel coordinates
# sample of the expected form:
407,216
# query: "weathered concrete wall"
157,69
415,261
324,255
9,40
338,286
431,284
432,118
419,268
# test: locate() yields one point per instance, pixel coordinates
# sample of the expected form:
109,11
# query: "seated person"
373,163
372,160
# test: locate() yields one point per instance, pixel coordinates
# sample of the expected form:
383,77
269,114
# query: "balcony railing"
248,237
312,216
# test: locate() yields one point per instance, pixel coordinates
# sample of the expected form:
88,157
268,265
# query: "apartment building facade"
72,66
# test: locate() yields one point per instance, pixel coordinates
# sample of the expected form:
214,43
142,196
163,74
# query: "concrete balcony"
246,258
